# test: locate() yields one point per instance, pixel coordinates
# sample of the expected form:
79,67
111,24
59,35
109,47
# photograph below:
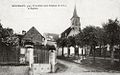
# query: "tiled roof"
66,32
34,36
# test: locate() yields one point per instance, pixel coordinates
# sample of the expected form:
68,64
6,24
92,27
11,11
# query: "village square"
90,50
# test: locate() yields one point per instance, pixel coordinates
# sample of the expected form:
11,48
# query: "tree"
62,42
90,38
79,40
7,41
66,42
7,37
101,39
112,29
1,29
72,42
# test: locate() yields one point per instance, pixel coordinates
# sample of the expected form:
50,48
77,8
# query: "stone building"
30,41
50,39
74,29
34,36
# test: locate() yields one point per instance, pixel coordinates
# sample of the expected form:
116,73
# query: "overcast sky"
56,19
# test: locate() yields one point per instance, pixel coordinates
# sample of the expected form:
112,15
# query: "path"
77,69
107,58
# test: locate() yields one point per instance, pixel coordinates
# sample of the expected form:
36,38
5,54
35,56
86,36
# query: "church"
74,29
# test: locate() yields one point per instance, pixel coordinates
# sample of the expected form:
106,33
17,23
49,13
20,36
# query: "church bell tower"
75,21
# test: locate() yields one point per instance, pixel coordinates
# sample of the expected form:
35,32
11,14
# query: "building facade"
74,29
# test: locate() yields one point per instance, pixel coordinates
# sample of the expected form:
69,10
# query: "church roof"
34,36
66,32
71,29
74,13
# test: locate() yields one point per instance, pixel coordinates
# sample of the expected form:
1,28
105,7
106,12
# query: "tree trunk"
100,50
68,51
93,53
63,51
82,54
105,51
119,55
78,51
85,52
112,55
75,50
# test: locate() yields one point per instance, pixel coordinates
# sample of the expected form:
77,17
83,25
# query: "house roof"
34,36
66,32
51,36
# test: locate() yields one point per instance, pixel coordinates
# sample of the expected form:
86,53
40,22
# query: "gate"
41,60
41,55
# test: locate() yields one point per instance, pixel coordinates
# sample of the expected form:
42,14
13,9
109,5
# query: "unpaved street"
77,69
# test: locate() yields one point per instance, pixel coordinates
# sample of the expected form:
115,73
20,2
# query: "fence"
9,55
41,54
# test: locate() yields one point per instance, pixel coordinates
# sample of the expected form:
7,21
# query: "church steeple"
75,12
74,29
75,20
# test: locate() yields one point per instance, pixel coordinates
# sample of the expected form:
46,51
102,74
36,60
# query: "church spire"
75,12
75,20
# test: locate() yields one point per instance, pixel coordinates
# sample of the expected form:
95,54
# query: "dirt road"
77,69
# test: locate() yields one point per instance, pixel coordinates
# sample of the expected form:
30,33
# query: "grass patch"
101,64
60,67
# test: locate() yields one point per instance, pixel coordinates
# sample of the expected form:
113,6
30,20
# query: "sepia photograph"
59,37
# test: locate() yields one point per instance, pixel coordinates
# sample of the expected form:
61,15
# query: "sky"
47,18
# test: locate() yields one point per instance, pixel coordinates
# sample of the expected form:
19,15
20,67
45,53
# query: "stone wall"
14,70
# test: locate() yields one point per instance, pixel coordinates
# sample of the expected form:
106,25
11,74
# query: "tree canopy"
7,37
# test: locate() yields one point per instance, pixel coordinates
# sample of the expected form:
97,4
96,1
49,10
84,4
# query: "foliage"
71,41
66,42
62,42
89,35
79,39
112,30
7,37
11,41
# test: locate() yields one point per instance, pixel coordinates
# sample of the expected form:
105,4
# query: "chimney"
23,32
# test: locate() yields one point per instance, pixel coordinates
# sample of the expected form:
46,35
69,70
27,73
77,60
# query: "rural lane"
77,69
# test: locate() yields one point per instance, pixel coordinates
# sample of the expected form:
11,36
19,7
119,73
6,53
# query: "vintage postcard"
59,37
